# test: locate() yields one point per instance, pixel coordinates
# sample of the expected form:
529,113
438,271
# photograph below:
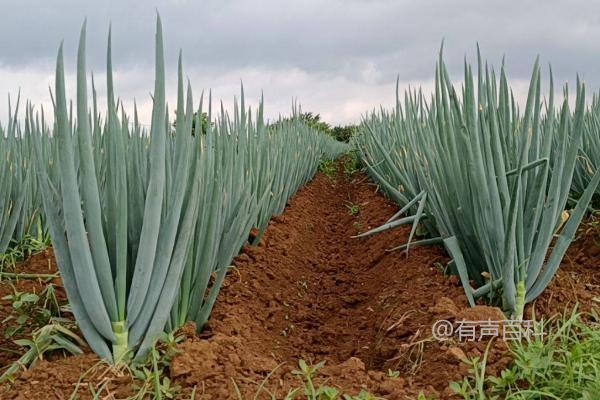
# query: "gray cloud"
339,58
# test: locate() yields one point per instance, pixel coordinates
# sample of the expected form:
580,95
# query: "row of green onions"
487,180
20,200
145,225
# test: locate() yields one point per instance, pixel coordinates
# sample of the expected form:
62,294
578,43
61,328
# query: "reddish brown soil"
310,291
577,281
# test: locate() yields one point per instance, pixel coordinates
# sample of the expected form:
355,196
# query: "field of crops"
218,255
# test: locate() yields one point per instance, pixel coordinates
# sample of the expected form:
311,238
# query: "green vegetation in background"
202,121
339,132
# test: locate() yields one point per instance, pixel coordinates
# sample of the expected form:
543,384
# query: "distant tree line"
343,133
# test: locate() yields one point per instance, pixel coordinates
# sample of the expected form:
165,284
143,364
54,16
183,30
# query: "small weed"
312,391
150,376
328,167
51,337
353,209
351,163
308,389
472,387
422,396
441,267
392,373
22,250
307,374
31,310
563,364
155,382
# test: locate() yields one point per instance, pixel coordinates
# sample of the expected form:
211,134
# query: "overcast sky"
339,58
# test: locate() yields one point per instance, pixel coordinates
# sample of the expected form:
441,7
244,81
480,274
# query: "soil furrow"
310,291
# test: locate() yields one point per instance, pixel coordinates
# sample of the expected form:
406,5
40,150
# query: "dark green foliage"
203,123
339,132
344,133
314,121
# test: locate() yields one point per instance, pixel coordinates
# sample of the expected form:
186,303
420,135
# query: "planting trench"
310,291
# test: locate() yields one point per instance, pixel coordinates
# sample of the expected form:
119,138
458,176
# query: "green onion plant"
488,182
